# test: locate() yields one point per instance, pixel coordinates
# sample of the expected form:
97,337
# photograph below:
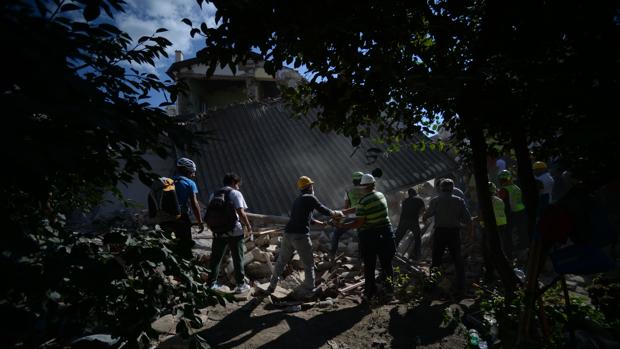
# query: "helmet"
492,187
539,165
367,179
303,182
187,164
505,174
357,175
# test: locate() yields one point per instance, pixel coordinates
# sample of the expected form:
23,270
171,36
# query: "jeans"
450,238
219,249
505,239
301,243
518,224
373,243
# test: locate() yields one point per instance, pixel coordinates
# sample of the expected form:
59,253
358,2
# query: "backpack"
221,215
163,202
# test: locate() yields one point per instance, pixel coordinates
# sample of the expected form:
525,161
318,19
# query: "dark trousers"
373,243
505,239
450,238
402,229
218,250
518,225
182,229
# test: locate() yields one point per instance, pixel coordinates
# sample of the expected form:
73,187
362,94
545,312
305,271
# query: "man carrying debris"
297,234
450,212
411,208
351,201
232,237
375,235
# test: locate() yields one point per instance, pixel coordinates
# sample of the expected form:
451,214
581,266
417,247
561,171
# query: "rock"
296,262
272,248
467,302
248,258
249,245
262,241
348,267
325,304
263,257
324,266
275,240
257,270
379,343
95,341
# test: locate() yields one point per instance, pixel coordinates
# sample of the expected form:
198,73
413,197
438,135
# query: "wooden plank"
351,287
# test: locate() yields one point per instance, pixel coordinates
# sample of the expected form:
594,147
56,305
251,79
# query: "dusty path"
347,324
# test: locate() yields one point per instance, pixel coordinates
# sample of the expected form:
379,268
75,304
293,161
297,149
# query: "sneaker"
243,288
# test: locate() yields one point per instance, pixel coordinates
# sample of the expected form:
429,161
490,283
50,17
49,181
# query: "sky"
143,17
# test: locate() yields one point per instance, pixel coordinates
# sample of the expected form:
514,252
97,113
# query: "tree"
518,73
396,66
78,127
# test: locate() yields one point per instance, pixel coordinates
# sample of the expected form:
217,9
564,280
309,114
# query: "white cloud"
143,17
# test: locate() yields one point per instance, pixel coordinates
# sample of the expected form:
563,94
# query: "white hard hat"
187,163
367,179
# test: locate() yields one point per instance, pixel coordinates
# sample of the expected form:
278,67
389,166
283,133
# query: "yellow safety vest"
499,210
516,203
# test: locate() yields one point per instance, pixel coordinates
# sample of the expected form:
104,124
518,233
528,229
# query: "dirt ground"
347,324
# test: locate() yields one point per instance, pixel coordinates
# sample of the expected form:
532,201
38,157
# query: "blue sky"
143,17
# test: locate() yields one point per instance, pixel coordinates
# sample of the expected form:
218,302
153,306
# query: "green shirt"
354,195
373,207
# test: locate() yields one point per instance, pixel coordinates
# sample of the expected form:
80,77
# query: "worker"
510,193
411,209
351,201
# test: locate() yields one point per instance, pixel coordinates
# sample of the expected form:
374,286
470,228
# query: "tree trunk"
506,274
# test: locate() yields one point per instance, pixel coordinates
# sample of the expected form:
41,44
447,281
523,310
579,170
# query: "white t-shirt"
547,182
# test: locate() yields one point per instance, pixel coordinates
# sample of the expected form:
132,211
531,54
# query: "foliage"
414,286
71,285
555,321
77,107
79,127
604,292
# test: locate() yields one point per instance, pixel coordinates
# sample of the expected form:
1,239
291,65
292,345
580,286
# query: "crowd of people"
365,210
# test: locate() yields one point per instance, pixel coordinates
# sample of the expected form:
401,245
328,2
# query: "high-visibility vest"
354,195
499,210
516,202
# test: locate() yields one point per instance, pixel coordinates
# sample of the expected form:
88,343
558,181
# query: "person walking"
297,234
231,238
375,236
186,191
411,209
450,214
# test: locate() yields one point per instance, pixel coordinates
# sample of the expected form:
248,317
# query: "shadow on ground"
421,325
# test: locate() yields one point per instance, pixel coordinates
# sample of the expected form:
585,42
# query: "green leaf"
161,30
203,27
194,31
187,21
91,12
69,7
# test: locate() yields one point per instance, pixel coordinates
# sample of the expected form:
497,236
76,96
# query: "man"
501,221
351,201
232,239
510,193
546,182
187,191
375,235
410,211
297,234
450,213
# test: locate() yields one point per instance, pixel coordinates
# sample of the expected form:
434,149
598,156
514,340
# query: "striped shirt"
373,207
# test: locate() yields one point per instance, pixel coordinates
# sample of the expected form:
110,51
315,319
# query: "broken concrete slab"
257,270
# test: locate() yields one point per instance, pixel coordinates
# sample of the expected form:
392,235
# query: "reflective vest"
514,194
354,195
499,210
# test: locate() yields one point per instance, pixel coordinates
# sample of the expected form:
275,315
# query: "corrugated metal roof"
270,149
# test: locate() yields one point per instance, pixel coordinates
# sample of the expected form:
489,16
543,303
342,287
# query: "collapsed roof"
270,149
